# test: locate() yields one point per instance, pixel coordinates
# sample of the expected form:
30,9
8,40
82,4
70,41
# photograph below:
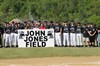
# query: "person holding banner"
57,30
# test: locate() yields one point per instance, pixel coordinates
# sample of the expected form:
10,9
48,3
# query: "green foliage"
57,10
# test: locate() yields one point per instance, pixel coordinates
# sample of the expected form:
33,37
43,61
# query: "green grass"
11,53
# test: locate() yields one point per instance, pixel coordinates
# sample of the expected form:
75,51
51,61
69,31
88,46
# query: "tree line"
57,10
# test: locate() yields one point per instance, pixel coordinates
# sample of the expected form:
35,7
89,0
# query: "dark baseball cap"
5,22
72,21
78,23
45,21
51,21
57,22
25,21
13,22
39,21
64,21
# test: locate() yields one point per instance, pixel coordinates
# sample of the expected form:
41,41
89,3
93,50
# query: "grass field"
12,53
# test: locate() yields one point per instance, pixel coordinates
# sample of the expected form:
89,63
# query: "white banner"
36,38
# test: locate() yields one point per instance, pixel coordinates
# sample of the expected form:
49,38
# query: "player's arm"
89,32
60,29
95,32
4,29
82,29
75,28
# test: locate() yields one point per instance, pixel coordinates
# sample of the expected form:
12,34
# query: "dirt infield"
53,61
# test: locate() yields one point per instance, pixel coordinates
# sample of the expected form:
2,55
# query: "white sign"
36,38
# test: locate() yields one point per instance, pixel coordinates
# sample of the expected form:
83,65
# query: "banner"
36,38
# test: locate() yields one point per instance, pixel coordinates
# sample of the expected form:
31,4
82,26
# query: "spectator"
36,26
42,26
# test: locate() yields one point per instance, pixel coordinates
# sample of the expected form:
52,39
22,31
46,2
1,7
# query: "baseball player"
65,30
72,34
92,32
8,36
50,25
57,30
12,33
4,32
85,35
79,35
16,35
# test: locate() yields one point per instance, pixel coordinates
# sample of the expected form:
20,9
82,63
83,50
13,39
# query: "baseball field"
59,56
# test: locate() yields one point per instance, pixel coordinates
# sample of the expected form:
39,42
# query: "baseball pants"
98,40
4,37
58,39
79,39
12,38
66,39
8,40
73,39
15,39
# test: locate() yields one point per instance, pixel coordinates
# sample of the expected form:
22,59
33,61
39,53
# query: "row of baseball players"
65,34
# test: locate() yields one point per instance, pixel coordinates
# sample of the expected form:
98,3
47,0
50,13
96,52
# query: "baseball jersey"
92,30
21,26
72,29
57,28
50,26
12,29
79,29
8,30
65,29
16,30
85,31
